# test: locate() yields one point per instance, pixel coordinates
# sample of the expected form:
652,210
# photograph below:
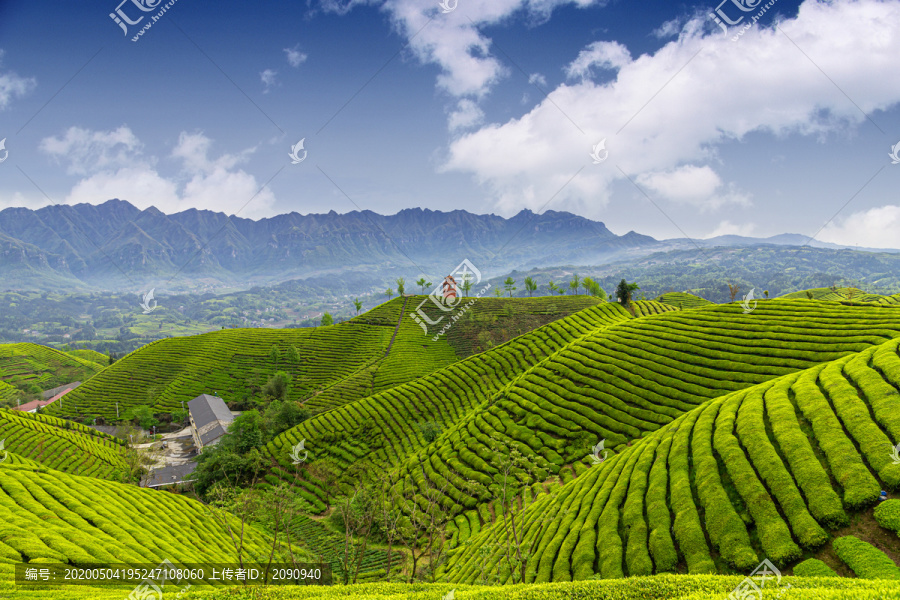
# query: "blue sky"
494,106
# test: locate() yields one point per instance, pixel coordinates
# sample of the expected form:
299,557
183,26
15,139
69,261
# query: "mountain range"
117,246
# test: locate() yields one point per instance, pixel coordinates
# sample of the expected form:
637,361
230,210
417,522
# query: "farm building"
173,475
59,390
35,405
210,419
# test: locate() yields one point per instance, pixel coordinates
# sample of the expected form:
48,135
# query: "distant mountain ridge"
115,245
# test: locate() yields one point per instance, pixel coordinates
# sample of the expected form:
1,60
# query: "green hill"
32,368
332,365
91,355
49,516
764,472
554,393
69,447
683,300
389,426
843,294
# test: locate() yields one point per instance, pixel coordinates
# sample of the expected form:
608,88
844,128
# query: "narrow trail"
397,328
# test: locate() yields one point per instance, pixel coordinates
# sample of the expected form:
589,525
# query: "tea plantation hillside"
616,382
764,472
32,368
91,355
53,517
839,294
683,300
389,426
62,445
330,366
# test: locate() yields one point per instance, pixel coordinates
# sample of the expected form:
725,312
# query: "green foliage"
530,285
282,415
142,416
624,291
888,515
867,561
813,567
327,319
509,285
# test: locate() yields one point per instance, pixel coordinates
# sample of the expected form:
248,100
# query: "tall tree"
401,286
358,305
573,285
530,285
510,285
423,283
389,293
466,284
327,319
624,292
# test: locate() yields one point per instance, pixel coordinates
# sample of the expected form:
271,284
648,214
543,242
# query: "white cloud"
466,115
110,167
537,79
295,58
697,186
729,228
873,228
12,86
724,91
454,42
88,151
268,79
604,55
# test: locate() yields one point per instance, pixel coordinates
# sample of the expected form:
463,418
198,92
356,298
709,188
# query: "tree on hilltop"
624,292
510,285
401,286
530,285
327,319
734,290
358,305
423,283
389,293
573,285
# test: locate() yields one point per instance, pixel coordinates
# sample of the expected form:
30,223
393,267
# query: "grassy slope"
51,516
852,294
683,300
385,428
624,381
62,445
339,363
763,472
91,355
22,364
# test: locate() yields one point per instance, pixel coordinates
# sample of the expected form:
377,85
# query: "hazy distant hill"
116,245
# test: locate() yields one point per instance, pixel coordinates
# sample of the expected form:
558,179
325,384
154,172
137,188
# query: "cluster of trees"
237,458
623,292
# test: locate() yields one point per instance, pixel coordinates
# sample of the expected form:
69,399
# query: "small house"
210,419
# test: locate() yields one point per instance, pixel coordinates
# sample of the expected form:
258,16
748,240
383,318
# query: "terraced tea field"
841,294
53,517
764,472
42,368
621,382
63,445
683,300
385,428
337,364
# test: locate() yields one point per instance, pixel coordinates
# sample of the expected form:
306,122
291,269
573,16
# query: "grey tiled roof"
170,475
